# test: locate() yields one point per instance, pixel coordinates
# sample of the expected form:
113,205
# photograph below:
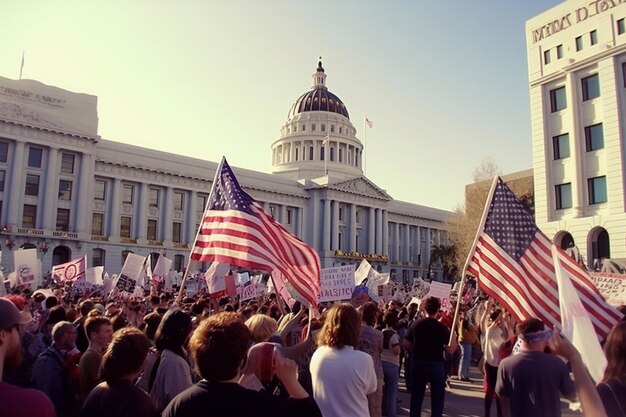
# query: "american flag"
235,230
369,123
512,261
326,139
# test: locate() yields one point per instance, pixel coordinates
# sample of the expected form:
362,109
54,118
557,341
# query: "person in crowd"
342,376
391,362
371,342
99,333
51,373
17,402
261,327
121,365
219,346
612,389
427,339
55,315
468,336
171,373
529,383
82,341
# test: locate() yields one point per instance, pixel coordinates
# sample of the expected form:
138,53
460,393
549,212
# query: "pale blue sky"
444,81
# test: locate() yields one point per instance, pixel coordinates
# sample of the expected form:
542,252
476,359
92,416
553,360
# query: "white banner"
94,275
442,291
27,269
611,286
337,283
133,267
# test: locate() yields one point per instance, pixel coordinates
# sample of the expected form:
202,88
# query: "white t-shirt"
493,341
342,378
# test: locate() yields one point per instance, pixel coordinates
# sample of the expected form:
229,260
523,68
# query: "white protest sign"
133,267
80,287
251,290
162,267
27,270
94,275
242,278
611,286
337,283
442,291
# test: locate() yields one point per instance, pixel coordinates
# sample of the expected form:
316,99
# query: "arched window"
310,153
297,149
332,154
356,158
340,155
321,153
61,255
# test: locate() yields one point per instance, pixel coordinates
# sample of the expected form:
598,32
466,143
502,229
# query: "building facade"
577,76
67,192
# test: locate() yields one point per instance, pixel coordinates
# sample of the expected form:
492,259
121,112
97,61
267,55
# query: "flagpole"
481,226
22,66
364,144
208,201
326,156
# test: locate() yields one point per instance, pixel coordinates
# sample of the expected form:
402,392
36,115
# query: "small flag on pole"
326,140
369,123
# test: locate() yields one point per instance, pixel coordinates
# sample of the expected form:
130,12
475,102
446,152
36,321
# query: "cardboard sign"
337,283
441,291
27,270
611,286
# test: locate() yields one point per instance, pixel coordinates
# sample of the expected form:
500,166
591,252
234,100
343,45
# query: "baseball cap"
10,315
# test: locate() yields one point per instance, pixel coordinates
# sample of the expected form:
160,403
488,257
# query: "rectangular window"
4,152
557,99
152,229
304,128
591,87
621,27
127,194
179,262
313,127
201,204
63,220
559,51
32,185
597,190
563,194
560,145
29,216
177,232
97,224
546,57
579,43
179,199
65,190
594,137
332,128
289,214
34,157
339,241
100,191
322,153
153,197
323,127
593,37
125,225
2,174
67,163
340,214
97,257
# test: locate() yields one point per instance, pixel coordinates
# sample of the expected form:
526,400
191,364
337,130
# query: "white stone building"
577,75
68,192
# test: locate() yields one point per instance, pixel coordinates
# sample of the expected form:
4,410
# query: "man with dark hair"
219,346
99,333
529,382
371,342
427,340
82,341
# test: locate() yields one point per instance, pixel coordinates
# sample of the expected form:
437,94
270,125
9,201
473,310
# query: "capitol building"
67,192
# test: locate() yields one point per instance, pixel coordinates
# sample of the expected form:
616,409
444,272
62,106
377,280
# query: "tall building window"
67,163
179,199
322,153
559,51
560,145
97,224
310,153
4,152
125,226
179,262
297,149
63,220
127,194
340,214
100,190
289,216
34,157
313,127
356,158
304,128
563,194
332,154
579,43
323,127
32,185
339,241
65,190
340,129
621,27
2,174
591,87
594,137
557,99
340,155
177,232
152,229
597,190
29,216
546,57
153,197
97,257
593,37
332,128
201,201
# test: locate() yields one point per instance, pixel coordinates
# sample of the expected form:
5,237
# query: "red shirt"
24,402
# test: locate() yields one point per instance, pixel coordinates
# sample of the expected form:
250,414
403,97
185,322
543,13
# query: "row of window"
98,257
154,195
29,218
594,140
35,158
578,43
97,228
340,155
590,88
596,191
314,128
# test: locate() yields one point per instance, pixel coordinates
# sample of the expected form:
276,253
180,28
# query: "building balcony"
155,243
128,240
179,245
100,238
356,255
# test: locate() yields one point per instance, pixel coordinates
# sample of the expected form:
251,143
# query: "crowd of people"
66,355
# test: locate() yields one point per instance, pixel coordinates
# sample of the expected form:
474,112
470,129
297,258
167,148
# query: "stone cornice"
30,127
24,133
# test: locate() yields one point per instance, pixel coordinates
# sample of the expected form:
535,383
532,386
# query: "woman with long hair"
612,389
342,375
171,373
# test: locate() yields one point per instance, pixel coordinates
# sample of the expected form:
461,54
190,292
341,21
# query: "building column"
283,216
417,246
326,232
371,229
168,215
577,151
142,212
379,232
85,195
115,206
385,233
334,237
426,256
16,187
51,195
396,242
352,227
191,219
406,257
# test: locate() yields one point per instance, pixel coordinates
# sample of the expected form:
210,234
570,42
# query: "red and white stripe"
257,241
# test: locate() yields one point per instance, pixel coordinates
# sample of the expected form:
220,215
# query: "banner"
215,279
611,286
70,271
442,291
251,290
243,278
371,278
133,267
27,269
337,283
94,275
162,267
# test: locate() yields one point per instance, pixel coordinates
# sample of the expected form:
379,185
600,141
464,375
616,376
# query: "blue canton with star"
509,223
227,194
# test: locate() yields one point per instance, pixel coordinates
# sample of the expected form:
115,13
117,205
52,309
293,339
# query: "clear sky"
444,81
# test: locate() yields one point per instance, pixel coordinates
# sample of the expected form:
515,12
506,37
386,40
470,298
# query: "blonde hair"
262,327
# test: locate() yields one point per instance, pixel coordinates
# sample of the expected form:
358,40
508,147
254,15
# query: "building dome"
319,99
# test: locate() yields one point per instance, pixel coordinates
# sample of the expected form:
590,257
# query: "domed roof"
319,99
